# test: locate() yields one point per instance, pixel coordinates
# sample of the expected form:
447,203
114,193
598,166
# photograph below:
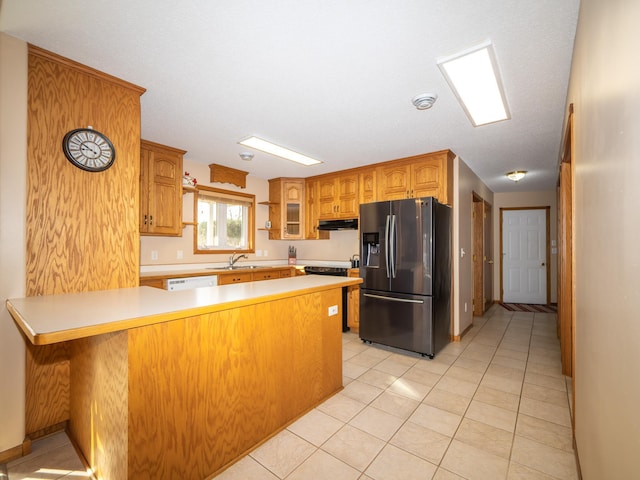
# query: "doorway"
524,252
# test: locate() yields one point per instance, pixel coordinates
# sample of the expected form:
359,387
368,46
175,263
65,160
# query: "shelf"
184,224
187,189
268,203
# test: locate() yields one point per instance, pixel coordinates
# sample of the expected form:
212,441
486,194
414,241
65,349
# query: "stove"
336,272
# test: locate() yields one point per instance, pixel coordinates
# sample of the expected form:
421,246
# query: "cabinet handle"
150,219
145,219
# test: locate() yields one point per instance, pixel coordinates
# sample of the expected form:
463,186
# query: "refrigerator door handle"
392,299
386,243
392,241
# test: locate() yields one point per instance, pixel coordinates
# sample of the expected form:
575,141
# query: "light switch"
462,253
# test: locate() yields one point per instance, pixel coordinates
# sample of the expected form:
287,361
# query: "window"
224,221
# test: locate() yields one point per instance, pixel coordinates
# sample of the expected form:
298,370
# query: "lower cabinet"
353,302
228,278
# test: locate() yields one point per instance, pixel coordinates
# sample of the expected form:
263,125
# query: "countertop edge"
21,308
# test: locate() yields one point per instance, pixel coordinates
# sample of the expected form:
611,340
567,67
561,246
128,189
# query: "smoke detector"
424,101
246,156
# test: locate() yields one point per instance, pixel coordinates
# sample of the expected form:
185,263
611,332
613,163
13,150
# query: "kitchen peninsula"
181,384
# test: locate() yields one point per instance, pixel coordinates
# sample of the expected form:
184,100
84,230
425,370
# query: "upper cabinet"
286,208
160,189
311,212
429,175
338,196
296,205
368,190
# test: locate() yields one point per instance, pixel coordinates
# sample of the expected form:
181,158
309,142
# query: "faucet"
232,260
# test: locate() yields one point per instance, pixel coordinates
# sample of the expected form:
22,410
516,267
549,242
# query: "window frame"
241,196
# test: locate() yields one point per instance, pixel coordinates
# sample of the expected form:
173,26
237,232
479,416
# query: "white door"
524,256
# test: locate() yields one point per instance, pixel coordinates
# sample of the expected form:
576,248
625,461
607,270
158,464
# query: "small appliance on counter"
293,256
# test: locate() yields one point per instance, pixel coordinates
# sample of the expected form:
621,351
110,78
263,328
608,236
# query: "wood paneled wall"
99,402
82,227
205,390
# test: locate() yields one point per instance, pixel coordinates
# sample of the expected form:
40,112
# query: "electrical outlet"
258,253
154,254
333,310
266,253
179,254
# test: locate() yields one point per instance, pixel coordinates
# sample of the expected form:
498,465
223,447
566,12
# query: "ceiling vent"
424,101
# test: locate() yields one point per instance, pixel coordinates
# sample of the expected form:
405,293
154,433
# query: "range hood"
349,224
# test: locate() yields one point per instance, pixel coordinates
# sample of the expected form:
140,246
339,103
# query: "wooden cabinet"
338,196
311,212
367,185
286,208
226,277
427,175
152,282
160,189
353,302
235,277
271,274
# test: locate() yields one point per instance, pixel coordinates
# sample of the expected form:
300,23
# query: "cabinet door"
393,182
425,179
144,190
229,278
265,275
338,197
292,211
311,212
367,186
327,194
160,189
347,196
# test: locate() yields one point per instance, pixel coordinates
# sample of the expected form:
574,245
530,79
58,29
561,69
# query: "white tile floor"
494,406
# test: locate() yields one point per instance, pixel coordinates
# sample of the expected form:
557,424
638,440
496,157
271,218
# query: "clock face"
88,149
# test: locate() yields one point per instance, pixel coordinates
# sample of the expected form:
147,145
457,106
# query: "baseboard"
457,338
15,452
575,454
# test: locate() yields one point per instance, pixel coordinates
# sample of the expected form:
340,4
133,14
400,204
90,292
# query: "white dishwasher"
187,283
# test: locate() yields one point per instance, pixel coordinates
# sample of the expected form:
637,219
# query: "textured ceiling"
330,79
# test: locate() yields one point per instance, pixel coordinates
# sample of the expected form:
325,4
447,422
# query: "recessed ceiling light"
473,76
278,151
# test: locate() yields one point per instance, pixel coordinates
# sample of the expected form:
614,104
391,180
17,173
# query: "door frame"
477,276
548,250
481,254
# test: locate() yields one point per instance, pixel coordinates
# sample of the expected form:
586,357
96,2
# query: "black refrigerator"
405,262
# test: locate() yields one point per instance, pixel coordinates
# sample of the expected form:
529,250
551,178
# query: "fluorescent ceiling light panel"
473,76
278,151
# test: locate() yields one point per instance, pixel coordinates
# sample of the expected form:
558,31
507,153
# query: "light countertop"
57,318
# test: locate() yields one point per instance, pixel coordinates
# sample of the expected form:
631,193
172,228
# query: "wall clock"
88,149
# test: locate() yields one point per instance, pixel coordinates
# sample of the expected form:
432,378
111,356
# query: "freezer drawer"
397,320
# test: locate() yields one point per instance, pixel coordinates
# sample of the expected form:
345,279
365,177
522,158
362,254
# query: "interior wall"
526,199
465,182
13,184
605,91
342,246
